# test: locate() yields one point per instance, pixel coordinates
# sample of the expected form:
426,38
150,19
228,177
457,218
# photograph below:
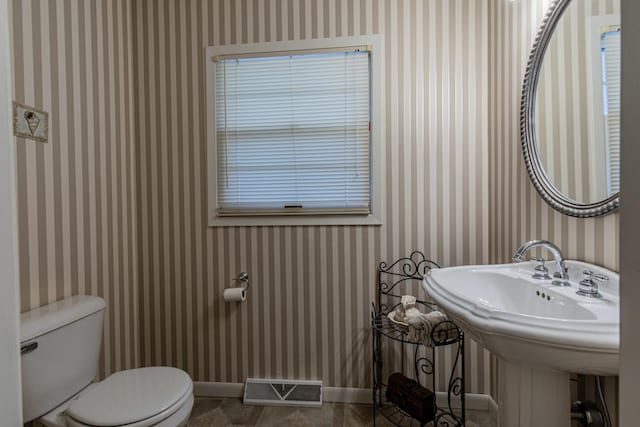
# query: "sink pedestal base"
532,396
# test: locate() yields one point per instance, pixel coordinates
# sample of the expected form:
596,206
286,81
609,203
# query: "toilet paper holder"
244,278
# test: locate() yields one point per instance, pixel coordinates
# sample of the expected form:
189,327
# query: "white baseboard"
347,395
473,401
209,389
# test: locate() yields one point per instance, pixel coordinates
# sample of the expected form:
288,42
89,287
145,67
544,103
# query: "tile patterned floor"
231,412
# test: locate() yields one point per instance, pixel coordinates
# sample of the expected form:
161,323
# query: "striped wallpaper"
114,204
307,313
76,193
518,212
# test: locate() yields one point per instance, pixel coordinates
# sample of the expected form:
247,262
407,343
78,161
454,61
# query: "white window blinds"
610,46
293,133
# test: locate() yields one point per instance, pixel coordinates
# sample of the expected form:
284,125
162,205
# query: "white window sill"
289,220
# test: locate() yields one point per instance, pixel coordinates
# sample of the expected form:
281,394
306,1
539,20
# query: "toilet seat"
135,398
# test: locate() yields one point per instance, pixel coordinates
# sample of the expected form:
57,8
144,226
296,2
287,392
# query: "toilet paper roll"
235,294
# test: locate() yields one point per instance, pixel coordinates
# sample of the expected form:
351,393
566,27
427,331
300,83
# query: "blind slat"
293,130
611,78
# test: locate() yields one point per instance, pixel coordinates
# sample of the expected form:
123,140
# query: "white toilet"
60,352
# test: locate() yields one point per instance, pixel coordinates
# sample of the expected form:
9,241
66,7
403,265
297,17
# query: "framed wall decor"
30,122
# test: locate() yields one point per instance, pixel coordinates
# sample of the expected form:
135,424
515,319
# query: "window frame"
375,217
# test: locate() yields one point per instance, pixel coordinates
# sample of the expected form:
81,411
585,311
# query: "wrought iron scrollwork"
455,388
445,332
414,266
410,271
423,365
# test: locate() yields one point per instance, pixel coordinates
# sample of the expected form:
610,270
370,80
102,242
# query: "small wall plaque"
31,123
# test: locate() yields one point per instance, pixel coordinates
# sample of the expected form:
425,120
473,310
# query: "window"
291,133
605,114
610,48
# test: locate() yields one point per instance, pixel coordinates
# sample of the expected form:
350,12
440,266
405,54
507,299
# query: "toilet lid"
130,396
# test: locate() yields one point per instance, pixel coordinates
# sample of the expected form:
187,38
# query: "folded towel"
431,328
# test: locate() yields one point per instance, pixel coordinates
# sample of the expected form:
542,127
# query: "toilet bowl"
60,353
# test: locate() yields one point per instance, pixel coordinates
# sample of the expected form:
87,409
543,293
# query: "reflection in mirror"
577,113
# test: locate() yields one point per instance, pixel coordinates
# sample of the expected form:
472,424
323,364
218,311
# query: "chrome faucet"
561,273
588,287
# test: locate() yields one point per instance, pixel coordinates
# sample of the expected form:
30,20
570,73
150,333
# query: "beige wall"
76,194
78,213
128,76
307,313
629,220
10,386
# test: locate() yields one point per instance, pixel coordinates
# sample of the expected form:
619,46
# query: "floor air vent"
258,391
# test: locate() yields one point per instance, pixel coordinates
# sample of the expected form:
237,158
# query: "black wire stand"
404,276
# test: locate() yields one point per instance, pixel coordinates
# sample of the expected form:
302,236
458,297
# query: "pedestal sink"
540,332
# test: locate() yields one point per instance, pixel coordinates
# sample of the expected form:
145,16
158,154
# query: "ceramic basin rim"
562,345
552,322
590,335
602,340
597,309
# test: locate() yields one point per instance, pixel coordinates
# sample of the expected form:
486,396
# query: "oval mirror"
570,112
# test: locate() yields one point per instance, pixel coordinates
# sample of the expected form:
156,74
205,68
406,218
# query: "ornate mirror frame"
537,173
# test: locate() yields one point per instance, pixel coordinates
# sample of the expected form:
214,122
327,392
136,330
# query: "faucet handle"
541,271
588,287
590,275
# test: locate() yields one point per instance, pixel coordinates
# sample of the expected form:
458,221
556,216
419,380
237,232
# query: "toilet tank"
60,351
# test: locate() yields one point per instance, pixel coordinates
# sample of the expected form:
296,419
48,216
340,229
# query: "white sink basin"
538,330
502,307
